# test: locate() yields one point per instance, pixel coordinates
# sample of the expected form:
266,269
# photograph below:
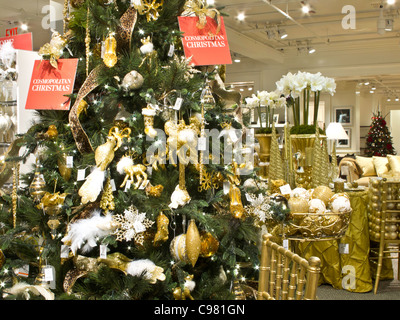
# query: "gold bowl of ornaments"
318,214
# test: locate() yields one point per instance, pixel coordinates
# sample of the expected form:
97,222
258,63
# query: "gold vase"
264,139
300,143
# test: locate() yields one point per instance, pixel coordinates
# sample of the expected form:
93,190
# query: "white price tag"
343,248
70,162
81,175
48,273
103,48
286,189
112,182
178,104
202,144
128,185
103,251
171,50
64,251
144,184
285,244
226,186
23,271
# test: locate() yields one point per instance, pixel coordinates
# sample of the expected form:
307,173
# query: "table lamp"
335,131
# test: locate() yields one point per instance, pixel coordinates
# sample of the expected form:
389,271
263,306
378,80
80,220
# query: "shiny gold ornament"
236,207
193,242
298,205
154,191
209,245
107,198
51,204
110,54
82,107
162,229
65,172
150,8
37,187
52,132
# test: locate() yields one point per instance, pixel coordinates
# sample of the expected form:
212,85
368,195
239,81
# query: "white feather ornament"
24,289
7,54
84,233
147,269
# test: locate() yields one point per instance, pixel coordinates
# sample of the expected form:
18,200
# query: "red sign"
49,85
203,45
21,41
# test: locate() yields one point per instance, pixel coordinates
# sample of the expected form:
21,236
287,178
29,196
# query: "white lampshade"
335,131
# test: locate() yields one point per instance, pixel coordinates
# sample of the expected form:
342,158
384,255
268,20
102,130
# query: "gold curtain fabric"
350,271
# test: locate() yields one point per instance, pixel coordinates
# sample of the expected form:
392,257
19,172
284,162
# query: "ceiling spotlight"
391,2
397,99
237,60
371,91
241,16
282,34
24,27
366,83
388,99
311,50
389,25
373,88
210,2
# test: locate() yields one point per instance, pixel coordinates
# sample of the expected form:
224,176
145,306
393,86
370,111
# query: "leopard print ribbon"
128,22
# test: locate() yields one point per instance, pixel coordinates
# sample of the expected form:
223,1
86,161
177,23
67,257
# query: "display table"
345,262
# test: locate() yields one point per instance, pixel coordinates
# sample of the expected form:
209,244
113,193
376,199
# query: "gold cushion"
381,165
367,166
394,163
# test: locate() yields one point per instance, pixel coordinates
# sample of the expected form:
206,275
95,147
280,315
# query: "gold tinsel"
87,41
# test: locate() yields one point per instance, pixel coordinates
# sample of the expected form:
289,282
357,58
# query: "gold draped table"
345,262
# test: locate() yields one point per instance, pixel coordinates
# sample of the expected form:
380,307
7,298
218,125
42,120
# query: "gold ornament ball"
209,245
178,248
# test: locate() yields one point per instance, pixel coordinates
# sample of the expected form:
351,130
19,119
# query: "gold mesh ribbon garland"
14,196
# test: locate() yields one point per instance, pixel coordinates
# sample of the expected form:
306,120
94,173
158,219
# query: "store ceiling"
321,29
254,39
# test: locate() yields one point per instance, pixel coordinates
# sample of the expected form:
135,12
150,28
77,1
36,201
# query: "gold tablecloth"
350,271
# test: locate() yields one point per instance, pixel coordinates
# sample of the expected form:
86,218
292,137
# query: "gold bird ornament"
104,154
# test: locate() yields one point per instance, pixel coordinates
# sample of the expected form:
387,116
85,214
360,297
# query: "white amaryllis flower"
252,102
330,86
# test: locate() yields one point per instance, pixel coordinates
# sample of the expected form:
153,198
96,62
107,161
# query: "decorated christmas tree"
379,141
123,202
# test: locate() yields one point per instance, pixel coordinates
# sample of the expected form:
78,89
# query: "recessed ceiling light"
397,99
305,8
237,60
390,2
311,50
24,27
241,16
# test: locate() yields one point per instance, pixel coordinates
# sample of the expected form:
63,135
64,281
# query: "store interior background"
353,56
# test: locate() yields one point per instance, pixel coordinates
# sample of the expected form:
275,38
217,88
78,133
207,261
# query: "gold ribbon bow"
119,135
201,10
